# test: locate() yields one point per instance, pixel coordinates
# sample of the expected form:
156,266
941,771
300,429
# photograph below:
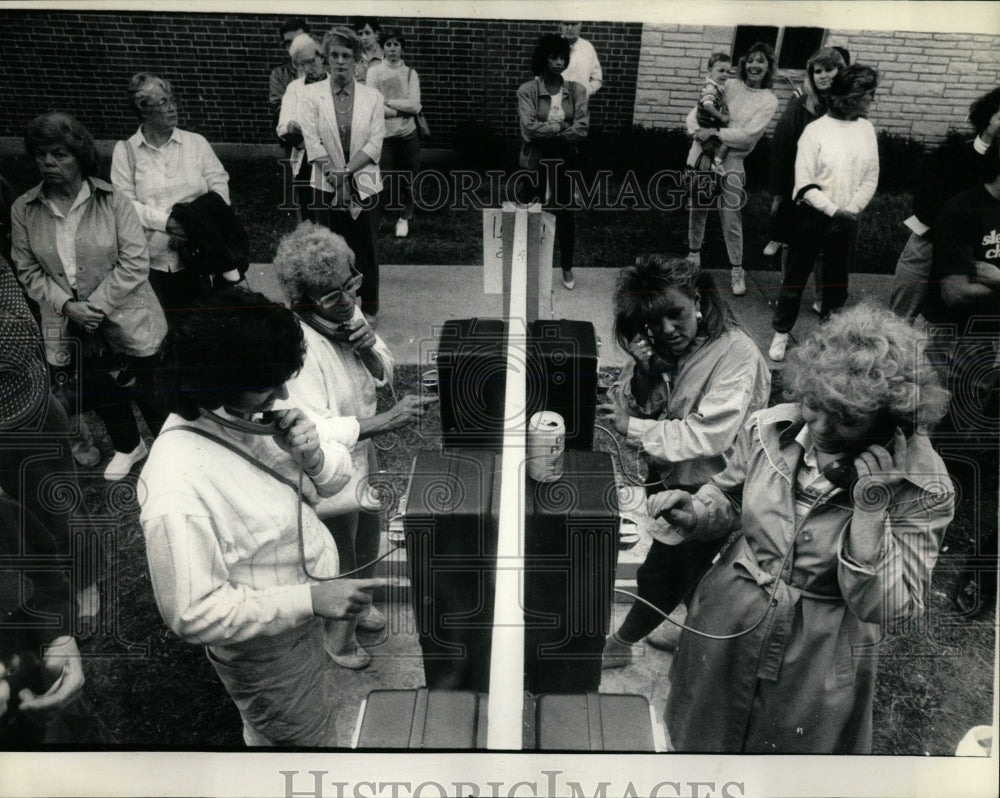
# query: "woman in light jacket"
343,125
693,380
345,363
840,503
81,254
552,130
307,58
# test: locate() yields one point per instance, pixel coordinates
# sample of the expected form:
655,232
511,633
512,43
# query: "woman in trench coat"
839,512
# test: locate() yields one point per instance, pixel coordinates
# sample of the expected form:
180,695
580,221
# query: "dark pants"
37,470
360,237
667,577
814,233
103,393
402,155
560,203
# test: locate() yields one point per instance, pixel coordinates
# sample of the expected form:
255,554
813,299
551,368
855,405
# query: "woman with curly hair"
839,512
693,381
345,363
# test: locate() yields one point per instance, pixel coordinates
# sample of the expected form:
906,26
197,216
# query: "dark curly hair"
849,85
56,127
639,296
548,44
230,342
983,108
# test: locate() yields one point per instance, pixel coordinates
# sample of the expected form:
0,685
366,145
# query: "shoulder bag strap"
236,450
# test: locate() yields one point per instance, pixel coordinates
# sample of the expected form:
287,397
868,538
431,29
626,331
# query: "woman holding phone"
839,517
694,379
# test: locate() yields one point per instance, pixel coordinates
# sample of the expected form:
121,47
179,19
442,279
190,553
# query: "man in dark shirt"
963,299
949,170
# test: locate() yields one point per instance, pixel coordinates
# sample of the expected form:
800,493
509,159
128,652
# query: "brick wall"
219,65
927,79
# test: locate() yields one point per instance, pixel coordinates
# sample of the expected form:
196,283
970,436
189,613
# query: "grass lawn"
454,236
935,679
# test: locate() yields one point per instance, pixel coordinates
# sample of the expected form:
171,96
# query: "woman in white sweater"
751,106
836,172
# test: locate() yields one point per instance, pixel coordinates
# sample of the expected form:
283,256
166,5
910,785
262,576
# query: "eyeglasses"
303,63
343,294
161,105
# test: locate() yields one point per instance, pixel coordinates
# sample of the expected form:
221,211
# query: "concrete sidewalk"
417,300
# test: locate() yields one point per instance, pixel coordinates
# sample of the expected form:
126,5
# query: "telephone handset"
842,473
657,364
268,425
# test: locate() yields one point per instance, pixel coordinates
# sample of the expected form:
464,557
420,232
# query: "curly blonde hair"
866,361
312,261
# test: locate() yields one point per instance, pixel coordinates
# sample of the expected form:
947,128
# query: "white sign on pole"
492,251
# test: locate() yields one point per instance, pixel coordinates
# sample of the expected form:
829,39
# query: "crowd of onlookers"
261,529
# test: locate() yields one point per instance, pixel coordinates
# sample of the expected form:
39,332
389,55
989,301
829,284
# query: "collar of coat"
777,427
34,193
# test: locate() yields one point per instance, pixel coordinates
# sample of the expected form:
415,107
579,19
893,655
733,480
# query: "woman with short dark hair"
693,380
555,118
81,254
836,173
238,559
839,502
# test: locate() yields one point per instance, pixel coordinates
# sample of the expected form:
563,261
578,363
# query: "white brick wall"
927,80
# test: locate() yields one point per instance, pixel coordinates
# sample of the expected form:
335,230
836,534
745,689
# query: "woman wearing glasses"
157,167
345,363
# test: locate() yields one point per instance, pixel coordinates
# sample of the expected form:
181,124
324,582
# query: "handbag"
423,129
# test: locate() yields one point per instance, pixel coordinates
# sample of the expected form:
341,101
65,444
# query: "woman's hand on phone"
641,350
876,466
299,437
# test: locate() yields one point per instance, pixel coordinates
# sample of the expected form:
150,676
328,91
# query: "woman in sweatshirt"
836,172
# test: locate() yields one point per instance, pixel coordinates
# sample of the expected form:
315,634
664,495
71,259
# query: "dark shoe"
969,597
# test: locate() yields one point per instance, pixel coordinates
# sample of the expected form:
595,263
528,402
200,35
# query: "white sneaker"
122,462
402,228
778,346
739,281
772,248
695,258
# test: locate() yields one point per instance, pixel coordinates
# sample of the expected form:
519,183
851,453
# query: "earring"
697,315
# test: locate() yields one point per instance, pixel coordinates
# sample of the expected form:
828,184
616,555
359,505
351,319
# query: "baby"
712,111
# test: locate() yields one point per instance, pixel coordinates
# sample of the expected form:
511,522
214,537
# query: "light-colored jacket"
802,677
533,107
335,389
112,271
292,106
322,136
689,423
